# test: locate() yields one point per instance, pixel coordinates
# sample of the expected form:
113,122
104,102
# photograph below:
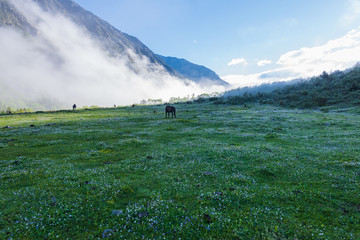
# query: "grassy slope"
214,172
325,90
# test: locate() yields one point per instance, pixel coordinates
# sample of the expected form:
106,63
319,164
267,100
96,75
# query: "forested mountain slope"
339,87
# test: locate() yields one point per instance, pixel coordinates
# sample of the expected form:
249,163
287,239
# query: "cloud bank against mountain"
54,54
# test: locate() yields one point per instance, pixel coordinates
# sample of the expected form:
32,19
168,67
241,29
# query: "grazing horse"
168,110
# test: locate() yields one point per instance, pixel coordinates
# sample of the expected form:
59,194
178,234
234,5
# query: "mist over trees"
263,88
339,87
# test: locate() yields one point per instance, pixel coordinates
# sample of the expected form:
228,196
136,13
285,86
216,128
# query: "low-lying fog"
63,64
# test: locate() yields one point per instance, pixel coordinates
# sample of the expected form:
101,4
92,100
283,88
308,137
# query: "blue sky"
238,38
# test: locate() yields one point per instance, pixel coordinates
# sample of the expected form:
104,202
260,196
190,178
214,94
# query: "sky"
235,38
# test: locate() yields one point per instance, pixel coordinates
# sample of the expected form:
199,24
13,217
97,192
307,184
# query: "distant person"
74,107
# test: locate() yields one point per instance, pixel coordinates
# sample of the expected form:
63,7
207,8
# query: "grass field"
214,172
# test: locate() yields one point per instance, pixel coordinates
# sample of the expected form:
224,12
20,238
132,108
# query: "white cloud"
237,81
237,61
264,62
277,75
337,54
63,62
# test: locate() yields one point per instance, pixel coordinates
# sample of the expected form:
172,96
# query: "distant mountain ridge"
197,73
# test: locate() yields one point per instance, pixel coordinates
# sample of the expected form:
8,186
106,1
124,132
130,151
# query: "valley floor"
214,172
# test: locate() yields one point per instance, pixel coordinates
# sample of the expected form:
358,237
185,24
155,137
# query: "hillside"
114,41
10,17
259,172
55,54
340,87
194,72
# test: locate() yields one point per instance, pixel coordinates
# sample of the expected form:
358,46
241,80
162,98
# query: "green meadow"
214,172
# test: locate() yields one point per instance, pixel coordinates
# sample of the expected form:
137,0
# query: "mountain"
55,54
10,17
113,40
194,72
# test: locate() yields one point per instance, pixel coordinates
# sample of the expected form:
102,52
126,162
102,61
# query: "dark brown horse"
168,110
